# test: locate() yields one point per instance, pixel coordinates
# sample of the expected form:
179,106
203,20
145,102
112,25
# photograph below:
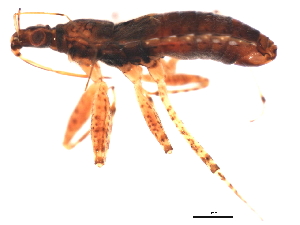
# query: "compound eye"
38,38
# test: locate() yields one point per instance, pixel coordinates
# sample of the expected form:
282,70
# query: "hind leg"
156,69
182,82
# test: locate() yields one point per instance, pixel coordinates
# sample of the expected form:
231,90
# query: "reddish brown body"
143,42
182,35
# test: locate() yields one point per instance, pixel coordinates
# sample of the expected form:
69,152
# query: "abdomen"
192,35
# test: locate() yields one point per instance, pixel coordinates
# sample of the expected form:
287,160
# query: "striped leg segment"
133,73
95,103
156,70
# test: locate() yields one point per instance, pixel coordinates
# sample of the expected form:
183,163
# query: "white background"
43,183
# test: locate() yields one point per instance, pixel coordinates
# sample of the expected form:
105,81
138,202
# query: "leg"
156,70
94,101
81,114
151,117
101,125
173,79
102,112
83,109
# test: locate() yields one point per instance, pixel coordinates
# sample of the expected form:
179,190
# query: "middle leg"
133,73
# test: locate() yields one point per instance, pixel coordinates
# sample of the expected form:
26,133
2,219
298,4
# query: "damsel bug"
144,42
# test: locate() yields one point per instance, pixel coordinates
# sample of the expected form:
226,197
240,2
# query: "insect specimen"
144,42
